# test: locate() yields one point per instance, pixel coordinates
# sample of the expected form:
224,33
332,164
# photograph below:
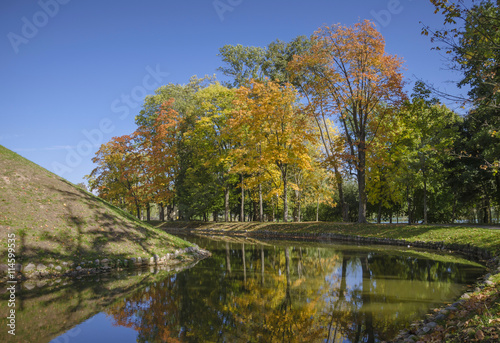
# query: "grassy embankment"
55,221
477,319
488,239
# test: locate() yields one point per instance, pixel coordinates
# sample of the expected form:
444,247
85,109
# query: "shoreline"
39,272
471,251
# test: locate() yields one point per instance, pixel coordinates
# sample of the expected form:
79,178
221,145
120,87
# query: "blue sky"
74,72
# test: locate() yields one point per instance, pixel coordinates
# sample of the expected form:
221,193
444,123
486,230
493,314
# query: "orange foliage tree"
350,75
157,143
118,176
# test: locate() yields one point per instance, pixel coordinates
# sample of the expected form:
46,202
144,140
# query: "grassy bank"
476,319
483,238
52,220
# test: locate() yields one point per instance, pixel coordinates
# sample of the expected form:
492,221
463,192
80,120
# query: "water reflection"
276,292
251,291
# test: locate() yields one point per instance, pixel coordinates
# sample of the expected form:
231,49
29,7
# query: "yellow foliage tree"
273,131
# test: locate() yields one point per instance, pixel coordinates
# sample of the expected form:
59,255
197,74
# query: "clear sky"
74,72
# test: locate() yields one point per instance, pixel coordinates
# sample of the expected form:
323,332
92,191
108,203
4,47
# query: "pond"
250,291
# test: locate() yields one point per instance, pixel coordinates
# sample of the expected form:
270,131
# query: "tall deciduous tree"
209,139
471,39
273,128
353,77
242,63
185,106
386,165
118,176
158,144
433,130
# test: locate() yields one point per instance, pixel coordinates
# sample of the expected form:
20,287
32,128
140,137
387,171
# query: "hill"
54,220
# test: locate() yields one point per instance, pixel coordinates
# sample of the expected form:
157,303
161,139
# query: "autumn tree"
118,176
352,77
157,143
318,188
244,63
210,142
185,105
273,128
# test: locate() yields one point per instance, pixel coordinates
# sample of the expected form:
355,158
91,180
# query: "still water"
251,291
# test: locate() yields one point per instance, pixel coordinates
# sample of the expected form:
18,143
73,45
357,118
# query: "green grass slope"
481,237
54,220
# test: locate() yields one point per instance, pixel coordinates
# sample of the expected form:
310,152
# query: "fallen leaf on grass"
479,335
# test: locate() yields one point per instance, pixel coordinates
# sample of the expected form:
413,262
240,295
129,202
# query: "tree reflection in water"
292,292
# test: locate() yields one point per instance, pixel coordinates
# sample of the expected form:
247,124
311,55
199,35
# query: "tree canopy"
319,128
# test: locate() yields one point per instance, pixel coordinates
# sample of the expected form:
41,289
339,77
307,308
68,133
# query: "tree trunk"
297,206
379,214
317,209
454,209
138,211
343,206
148,212
362,182
285,196
170,209
242,210
425,201
226,204
486,210
295,214
409,204
162,212
261,207
255,212
274,211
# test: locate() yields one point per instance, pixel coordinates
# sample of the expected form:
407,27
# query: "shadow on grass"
92,228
